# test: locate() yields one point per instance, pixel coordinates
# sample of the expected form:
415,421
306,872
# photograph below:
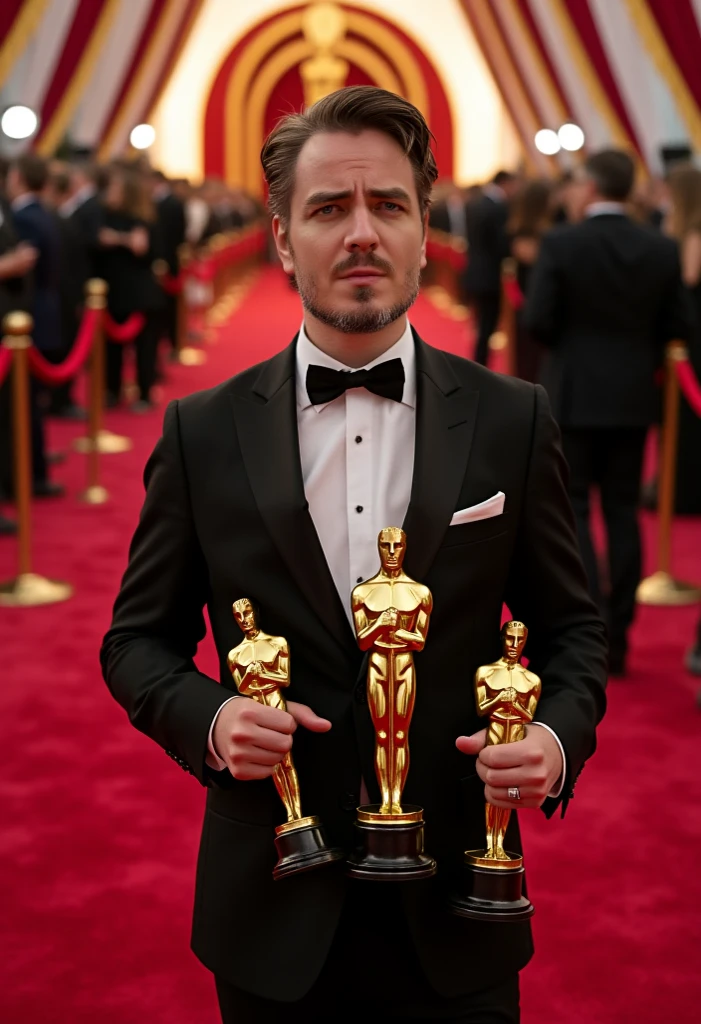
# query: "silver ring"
514,793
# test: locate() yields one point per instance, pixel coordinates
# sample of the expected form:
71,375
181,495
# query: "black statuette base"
303,849
391,852
492,894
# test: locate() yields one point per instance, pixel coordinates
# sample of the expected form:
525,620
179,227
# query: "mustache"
356,260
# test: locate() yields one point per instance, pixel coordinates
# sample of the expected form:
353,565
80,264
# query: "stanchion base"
189,356
95,495
107,444
29,589
662,589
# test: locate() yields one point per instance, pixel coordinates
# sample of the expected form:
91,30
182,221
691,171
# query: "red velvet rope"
514,295
203,270
689,384
59,373
127,331
5,362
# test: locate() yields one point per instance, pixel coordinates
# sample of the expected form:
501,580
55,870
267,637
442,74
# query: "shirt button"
358,508
358,439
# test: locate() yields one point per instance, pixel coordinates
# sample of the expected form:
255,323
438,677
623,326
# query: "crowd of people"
609,274
65,222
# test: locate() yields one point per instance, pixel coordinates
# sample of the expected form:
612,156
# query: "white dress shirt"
357,455
605,207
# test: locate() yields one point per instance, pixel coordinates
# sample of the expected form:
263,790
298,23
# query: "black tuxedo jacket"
225,516
170,213
36,225
604,297
488,244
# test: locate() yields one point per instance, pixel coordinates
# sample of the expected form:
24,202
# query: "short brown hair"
33,170
613,173
355,109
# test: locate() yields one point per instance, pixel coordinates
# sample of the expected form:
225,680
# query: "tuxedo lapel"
445,423
266,423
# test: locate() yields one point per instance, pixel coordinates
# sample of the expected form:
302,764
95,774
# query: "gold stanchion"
662,588
96,298
27,588
505,337
103,442
186,354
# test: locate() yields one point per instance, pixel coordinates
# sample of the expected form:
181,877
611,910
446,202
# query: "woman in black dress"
128,247
530,218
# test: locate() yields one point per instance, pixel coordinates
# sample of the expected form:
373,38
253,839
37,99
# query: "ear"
423,261
282,244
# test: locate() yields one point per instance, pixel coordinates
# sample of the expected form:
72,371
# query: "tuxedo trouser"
487,306
372,973
610,459
146,345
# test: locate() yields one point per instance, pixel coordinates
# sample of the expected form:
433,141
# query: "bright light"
19,122
142,136
547,142
571,137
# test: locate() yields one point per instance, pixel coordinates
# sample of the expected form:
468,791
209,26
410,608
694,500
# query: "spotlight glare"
547,142
142,136
571,137
19,122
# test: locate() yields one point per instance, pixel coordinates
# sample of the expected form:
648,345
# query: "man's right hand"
252,738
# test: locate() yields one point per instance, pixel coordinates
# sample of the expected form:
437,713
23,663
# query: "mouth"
361,275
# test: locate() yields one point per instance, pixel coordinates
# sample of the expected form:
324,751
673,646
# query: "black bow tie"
385,379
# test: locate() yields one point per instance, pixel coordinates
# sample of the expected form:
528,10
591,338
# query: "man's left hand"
533,765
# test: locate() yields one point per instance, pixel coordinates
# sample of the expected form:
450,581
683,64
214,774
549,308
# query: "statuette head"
246,616
391,544
513,635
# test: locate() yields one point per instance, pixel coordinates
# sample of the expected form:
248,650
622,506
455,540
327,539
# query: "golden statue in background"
323,25
260,666
391,614
509,694
261,669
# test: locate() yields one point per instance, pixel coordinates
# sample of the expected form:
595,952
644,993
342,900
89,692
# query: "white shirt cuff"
212,759
557,788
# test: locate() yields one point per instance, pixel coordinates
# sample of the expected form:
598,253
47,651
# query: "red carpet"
99,828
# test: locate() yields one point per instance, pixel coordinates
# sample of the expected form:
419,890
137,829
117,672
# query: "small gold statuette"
260,666
391,614
509,693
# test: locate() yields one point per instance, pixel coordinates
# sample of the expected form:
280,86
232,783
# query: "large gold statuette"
509,694
261,670
391,614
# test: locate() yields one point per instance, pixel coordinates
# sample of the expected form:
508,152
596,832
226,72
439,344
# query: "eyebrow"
321,198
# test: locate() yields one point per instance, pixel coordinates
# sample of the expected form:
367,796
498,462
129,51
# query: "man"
486,217
275,486
170,217
34,225
605,296
80,219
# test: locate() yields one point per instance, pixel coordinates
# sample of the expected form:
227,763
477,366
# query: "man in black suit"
605,296
488,244
170,217
273,486
35,225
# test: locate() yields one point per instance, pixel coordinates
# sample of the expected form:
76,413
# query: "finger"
246,771
257,755
499,798
266,739
533,776
304,715
268,718
511,755
472,744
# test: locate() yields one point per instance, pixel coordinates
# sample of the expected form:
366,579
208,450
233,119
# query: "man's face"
355,240
392,548
246,618
514,642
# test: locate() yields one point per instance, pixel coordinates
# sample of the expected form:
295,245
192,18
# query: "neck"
353,350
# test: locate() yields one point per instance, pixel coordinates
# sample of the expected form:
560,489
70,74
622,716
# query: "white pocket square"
485,510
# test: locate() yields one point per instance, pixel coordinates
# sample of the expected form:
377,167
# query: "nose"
361,235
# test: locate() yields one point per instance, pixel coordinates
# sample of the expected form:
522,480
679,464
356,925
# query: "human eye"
388,206
327,210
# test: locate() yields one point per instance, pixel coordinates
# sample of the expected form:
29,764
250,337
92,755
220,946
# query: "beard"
363,318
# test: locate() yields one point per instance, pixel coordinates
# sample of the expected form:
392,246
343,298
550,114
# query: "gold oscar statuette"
509,693
260,666
391,614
